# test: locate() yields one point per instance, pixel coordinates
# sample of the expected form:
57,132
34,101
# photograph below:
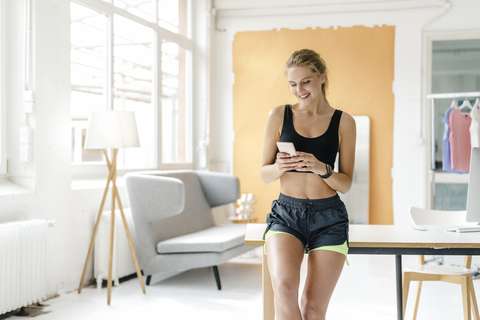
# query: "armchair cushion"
219,188
214,239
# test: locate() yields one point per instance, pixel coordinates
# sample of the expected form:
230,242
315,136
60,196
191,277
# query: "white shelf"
447,177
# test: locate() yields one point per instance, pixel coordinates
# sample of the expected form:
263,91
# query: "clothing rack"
453,95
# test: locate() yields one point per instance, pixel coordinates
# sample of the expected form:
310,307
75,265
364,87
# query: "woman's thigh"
324,269
284,255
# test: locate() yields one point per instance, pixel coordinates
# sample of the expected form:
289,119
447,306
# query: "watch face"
329,172
329,169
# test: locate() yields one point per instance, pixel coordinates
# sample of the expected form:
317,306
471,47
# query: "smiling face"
305,84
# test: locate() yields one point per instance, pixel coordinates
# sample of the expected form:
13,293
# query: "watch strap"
329,172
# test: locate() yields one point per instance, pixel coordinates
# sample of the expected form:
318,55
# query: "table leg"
398,275
268,306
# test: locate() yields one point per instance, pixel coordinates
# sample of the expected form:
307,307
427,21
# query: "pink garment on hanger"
459,138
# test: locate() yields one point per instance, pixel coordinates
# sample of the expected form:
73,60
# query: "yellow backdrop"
360,64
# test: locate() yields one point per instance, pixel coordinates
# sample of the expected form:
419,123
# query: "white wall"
43,188
412,19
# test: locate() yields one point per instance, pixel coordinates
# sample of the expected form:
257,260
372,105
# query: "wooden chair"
451,274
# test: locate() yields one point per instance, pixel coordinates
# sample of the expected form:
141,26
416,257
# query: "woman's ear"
323,77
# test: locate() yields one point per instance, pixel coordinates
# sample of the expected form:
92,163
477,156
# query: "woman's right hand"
286,162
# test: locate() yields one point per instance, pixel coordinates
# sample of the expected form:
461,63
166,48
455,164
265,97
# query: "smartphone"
287,147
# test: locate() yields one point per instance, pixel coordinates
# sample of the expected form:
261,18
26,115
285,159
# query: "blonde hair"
311,59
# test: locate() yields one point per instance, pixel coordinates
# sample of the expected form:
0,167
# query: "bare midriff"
305,186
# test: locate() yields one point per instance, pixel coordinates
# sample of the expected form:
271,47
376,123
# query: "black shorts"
315,222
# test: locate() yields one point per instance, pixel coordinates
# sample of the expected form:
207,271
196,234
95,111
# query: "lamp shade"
112,129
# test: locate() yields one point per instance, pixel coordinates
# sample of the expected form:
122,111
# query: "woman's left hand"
310,163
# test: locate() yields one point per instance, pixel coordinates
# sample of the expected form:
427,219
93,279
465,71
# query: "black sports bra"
324,147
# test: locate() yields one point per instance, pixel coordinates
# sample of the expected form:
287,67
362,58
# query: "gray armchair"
173,222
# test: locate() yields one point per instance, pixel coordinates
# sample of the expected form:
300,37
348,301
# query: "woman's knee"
285,291
312,309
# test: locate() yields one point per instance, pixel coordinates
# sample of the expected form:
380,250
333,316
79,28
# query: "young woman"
308,217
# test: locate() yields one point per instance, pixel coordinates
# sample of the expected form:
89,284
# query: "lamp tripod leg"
113,171
92,241
115,195
130,242
113,165
110,257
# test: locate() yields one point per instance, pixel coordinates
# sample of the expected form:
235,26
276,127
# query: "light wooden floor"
366,290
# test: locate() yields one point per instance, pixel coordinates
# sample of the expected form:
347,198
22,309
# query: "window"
141,8
124,57
133,86
3,121
175,128
173,15
88,75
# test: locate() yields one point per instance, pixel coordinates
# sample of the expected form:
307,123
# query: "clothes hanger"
477,103
454,104
466,104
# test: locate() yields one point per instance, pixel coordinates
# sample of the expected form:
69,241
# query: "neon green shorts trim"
341,248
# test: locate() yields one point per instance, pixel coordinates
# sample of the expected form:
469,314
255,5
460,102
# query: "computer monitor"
473,193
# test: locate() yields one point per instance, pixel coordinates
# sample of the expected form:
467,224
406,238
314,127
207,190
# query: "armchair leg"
148,280
217,277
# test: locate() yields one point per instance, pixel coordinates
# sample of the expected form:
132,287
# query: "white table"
395,240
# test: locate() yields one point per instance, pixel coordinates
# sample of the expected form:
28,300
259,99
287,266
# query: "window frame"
3,89
87,170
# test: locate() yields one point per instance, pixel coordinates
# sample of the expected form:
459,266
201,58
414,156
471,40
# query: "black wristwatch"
329,172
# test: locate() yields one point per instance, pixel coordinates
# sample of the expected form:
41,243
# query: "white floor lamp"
114,130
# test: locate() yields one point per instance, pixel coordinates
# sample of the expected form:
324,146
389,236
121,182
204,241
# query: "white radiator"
23,249
122,257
